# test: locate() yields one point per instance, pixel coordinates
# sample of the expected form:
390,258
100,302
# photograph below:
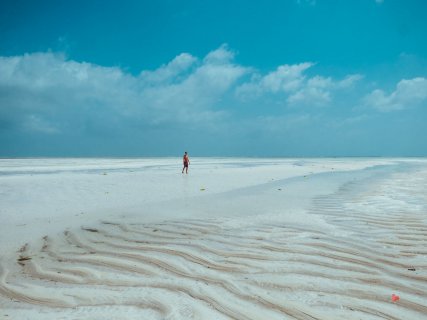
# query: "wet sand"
235,239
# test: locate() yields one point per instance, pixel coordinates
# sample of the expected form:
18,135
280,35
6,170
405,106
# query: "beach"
235,238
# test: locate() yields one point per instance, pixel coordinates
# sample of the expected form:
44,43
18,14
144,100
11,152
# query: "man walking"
186,162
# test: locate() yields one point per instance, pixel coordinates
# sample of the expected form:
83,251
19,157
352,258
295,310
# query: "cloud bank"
46,98
45,92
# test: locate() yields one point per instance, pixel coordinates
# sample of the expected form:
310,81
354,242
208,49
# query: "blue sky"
216,78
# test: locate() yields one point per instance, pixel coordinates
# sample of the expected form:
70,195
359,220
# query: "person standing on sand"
186,162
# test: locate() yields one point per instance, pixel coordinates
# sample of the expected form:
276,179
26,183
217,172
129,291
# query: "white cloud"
222,55
310,95
46,70
320,82
192,98
46,93
318,90
285,78
408,93
349,80
298,89
170,71
314,92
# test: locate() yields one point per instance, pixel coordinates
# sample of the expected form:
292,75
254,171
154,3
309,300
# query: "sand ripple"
216,269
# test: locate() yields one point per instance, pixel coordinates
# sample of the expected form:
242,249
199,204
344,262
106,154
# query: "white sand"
236,238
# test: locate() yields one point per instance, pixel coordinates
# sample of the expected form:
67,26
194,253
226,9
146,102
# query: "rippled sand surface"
264,266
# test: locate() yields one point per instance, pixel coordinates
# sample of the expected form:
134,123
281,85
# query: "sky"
283,78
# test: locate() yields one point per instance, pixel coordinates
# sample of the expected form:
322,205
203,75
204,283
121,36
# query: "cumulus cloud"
48,93
312,95
298,88
318,90
170,71
56,99
408,93
222,55
285,78
192,98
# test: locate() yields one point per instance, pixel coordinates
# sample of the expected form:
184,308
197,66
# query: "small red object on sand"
394,298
